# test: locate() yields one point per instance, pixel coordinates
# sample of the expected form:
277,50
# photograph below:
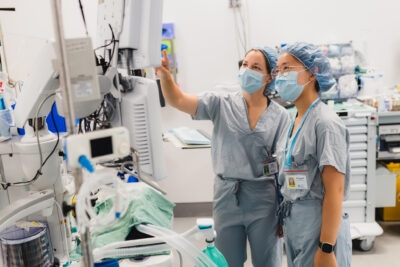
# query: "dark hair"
317,86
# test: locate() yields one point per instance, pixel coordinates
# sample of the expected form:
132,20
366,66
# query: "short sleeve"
332,146
208,106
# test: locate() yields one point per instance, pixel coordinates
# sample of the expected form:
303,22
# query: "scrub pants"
247,210
302,230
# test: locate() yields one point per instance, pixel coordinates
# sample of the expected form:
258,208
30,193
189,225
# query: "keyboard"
191,136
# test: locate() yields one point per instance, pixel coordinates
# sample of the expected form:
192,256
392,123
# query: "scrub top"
322,140
237,151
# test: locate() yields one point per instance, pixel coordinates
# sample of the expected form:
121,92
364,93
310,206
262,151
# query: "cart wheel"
365,244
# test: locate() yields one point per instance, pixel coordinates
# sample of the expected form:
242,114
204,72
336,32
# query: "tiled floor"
385,253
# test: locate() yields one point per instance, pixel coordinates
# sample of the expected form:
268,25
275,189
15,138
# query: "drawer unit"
361,123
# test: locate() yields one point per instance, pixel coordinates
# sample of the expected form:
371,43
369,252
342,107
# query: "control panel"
98,146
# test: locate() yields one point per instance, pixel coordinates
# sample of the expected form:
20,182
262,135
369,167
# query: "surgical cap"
272,56
314,60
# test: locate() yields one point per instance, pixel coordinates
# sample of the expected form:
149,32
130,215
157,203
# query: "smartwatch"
326,247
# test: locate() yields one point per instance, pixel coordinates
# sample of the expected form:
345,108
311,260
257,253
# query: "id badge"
296,178
270,167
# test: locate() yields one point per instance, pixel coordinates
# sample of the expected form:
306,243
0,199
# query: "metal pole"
69,112
65,82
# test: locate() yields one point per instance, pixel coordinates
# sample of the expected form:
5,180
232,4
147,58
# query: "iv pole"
68,106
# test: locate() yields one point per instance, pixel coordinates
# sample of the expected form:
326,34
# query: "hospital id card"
296,179
270,168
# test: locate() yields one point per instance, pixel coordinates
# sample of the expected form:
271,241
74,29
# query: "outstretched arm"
172,93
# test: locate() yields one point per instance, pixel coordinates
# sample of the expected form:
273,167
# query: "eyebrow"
254,64
284,64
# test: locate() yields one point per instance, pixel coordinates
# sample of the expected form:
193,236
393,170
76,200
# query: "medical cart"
361,121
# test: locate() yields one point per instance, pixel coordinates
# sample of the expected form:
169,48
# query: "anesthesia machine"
81,198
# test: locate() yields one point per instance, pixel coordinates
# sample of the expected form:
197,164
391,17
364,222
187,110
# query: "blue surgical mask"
250,80
287,87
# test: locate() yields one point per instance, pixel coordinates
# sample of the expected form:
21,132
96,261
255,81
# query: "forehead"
288,59
255,56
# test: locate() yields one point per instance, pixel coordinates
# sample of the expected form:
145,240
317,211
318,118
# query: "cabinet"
361,122
388,194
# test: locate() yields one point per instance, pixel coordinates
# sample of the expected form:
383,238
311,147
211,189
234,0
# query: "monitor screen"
101,146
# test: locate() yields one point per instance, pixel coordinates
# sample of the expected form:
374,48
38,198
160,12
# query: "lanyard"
288,159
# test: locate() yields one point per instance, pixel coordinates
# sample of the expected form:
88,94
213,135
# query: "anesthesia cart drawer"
358,138
358,155
355,121
357,129
358,171
358,146
358,192
358,163
358,179
356,210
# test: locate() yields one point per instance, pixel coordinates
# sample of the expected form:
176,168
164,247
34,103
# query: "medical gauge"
98,146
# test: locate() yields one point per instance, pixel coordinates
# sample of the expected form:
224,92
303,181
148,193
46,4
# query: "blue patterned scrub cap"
272,56
315,61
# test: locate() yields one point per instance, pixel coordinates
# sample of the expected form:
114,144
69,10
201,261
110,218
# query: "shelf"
390,117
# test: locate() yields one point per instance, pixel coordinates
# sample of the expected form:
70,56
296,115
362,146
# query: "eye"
285,68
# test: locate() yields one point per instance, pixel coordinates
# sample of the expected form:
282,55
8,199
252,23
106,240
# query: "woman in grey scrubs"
247,125
315,164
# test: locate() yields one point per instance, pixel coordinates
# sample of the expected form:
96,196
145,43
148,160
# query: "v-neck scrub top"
245,201
322,140
237,151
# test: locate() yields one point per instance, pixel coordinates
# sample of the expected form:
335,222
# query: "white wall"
31,25
206,41
208,50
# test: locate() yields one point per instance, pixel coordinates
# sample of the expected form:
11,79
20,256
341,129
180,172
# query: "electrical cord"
111,41
139,175
102,62
5,185
83,17
101,118
241,31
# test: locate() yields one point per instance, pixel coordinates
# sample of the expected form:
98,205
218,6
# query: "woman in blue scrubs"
247,125
315,164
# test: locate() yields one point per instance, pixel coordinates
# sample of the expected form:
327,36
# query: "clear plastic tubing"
178,242
125,252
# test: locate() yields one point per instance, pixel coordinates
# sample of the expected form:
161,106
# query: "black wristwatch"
326,247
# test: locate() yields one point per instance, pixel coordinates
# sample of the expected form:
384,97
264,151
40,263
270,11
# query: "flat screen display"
101,146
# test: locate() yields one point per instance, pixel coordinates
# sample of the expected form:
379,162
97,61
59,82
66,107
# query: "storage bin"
392,213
